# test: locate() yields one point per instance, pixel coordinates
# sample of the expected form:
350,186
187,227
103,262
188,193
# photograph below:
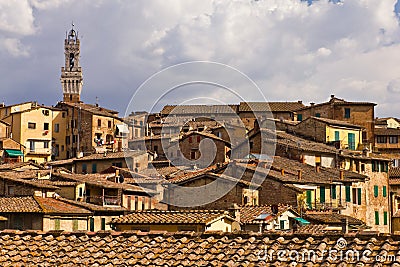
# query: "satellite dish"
121,179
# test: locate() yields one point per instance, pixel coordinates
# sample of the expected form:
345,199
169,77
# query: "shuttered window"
348,193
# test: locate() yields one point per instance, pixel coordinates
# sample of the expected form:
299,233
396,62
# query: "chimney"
299,174
317,168
332,96
341,175
283,172
300,102
312,103
116,173
345,226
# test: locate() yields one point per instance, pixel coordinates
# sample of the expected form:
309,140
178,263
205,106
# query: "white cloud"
292,50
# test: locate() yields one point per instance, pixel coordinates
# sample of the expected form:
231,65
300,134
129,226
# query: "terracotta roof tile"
199,109
19,204
388,131
54,206
270,106
248,214
36,248
168,217
331,218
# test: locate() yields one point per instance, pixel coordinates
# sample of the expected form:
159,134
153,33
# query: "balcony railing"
41,151
334,204
104,200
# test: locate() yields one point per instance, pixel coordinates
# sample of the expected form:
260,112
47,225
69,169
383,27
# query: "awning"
302,221
122,128
14,153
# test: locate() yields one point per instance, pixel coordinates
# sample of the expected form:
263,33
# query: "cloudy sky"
292,49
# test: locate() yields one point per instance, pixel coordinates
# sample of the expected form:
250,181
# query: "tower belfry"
71,73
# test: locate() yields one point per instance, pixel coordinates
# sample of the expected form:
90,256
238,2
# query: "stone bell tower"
71,73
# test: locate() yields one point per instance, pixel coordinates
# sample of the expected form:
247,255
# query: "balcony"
104,201
40,151
335,204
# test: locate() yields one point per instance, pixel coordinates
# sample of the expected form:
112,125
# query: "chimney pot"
317,168
345,226
299,174
300,102
283,172
341,175
312,103
332,96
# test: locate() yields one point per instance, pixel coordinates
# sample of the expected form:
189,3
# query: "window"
63,114
347,113
155,148
381,139
136,203
348,197
46,144
337,136
193,155
385,218
57,127
10,190
94,168
109,124
309,196
32,145
57,224
393,139
57,151
67,140
91,224
84,168
73,124
31,125
62,148
251,144
352,141
80,192
376,217
299,117
333,192
98,123
103,223
282,224
322,194
357,196
46,126
74,225
384,191
376,191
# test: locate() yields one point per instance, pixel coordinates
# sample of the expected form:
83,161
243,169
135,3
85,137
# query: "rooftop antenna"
97,101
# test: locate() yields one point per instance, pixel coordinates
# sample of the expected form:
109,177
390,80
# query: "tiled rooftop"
248,214
199,109
331,218
170,217
93,109
19,204
272,106
388,131
35,248
54,206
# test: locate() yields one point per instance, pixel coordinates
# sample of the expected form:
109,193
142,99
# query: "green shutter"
359,196
57,224
299,117
322,194
337,136
103,224
348,194
333,192
92,224
385,218
384,191
94,168
352,141
376,217
75,225
282,224
376,191
308,193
